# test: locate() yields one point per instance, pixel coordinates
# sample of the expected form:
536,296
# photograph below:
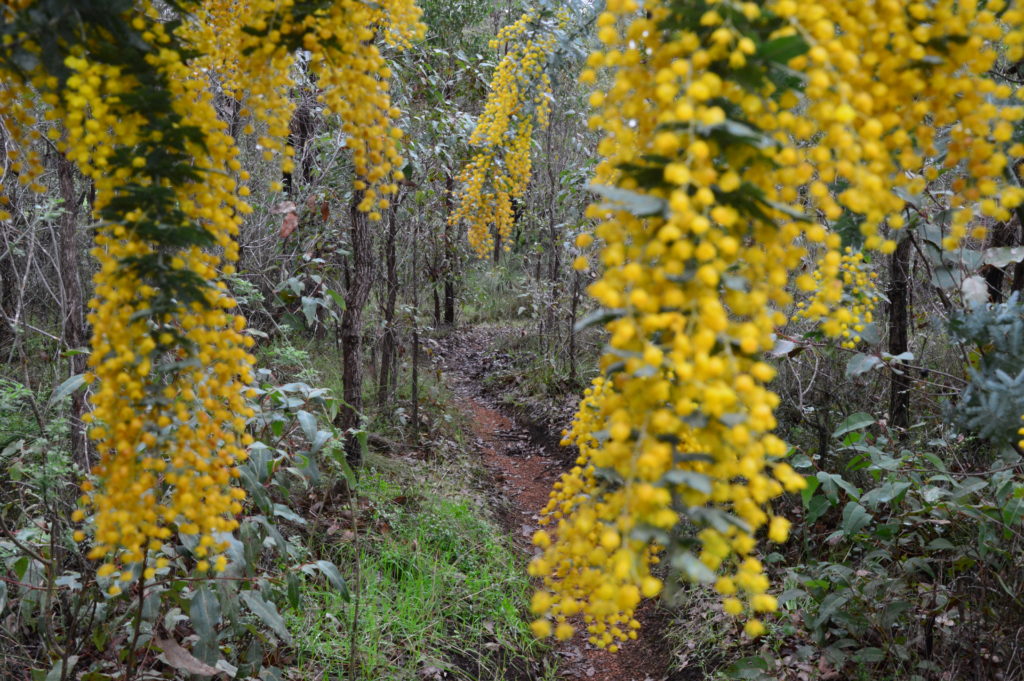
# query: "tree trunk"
359,273
448,265
415,410
899,322
300,130
573,307
389,344
8,272
73,314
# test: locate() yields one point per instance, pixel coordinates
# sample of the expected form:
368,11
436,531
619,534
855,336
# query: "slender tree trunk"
449,256
573,307
899,304
300,130
389,346
73,314
8,271
359,272
415,410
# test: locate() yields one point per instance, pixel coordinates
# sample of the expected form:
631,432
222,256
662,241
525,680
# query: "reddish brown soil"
523,474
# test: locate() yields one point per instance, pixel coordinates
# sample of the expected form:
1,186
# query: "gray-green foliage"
993,401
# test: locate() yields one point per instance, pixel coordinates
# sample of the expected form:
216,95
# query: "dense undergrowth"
905,555
399,572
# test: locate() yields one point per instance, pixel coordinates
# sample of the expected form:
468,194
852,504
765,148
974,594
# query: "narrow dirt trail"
523,474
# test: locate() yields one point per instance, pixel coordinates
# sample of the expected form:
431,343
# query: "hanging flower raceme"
519,103
699,246
253,46
843,293
713,153
169,364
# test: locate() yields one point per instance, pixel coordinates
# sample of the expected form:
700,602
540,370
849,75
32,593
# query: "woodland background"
907,555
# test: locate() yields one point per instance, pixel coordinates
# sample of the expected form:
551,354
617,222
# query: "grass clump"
440,590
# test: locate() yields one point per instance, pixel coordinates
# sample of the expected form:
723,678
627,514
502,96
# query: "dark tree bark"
448,265
389,343
73,314
300,130
8,271
415,410
573,308
359,272
1003,234
899,323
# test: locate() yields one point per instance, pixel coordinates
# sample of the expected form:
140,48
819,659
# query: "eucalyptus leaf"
267,612
861,363
66,388
853,422
204,612
640,205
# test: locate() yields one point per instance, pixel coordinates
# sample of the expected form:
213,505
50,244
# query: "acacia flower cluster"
170,364
519,103
254,45
724,125
844,293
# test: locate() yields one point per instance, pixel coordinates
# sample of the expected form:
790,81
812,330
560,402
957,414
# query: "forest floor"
524,461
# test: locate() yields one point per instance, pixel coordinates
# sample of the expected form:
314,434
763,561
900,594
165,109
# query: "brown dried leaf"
283,207
181,659
288,225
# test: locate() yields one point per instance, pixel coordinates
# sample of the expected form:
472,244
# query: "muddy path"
523,465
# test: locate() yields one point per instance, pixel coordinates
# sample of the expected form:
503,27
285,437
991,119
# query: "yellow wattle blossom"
253,46
844,295
680,423
170,365
519,102
170,383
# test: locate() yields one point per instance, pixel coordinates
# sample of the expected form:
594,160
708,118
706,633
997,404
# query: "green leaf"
689,565
600,316
308,423
853,422
640,205
782,49
1001,257
869,655
871,334
330,571
807,492
267,612
831,483
294,586
750,668
57,672
817,507
66,388
204,611
691,479
855,518
282,511
943,277
338,299
862,363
